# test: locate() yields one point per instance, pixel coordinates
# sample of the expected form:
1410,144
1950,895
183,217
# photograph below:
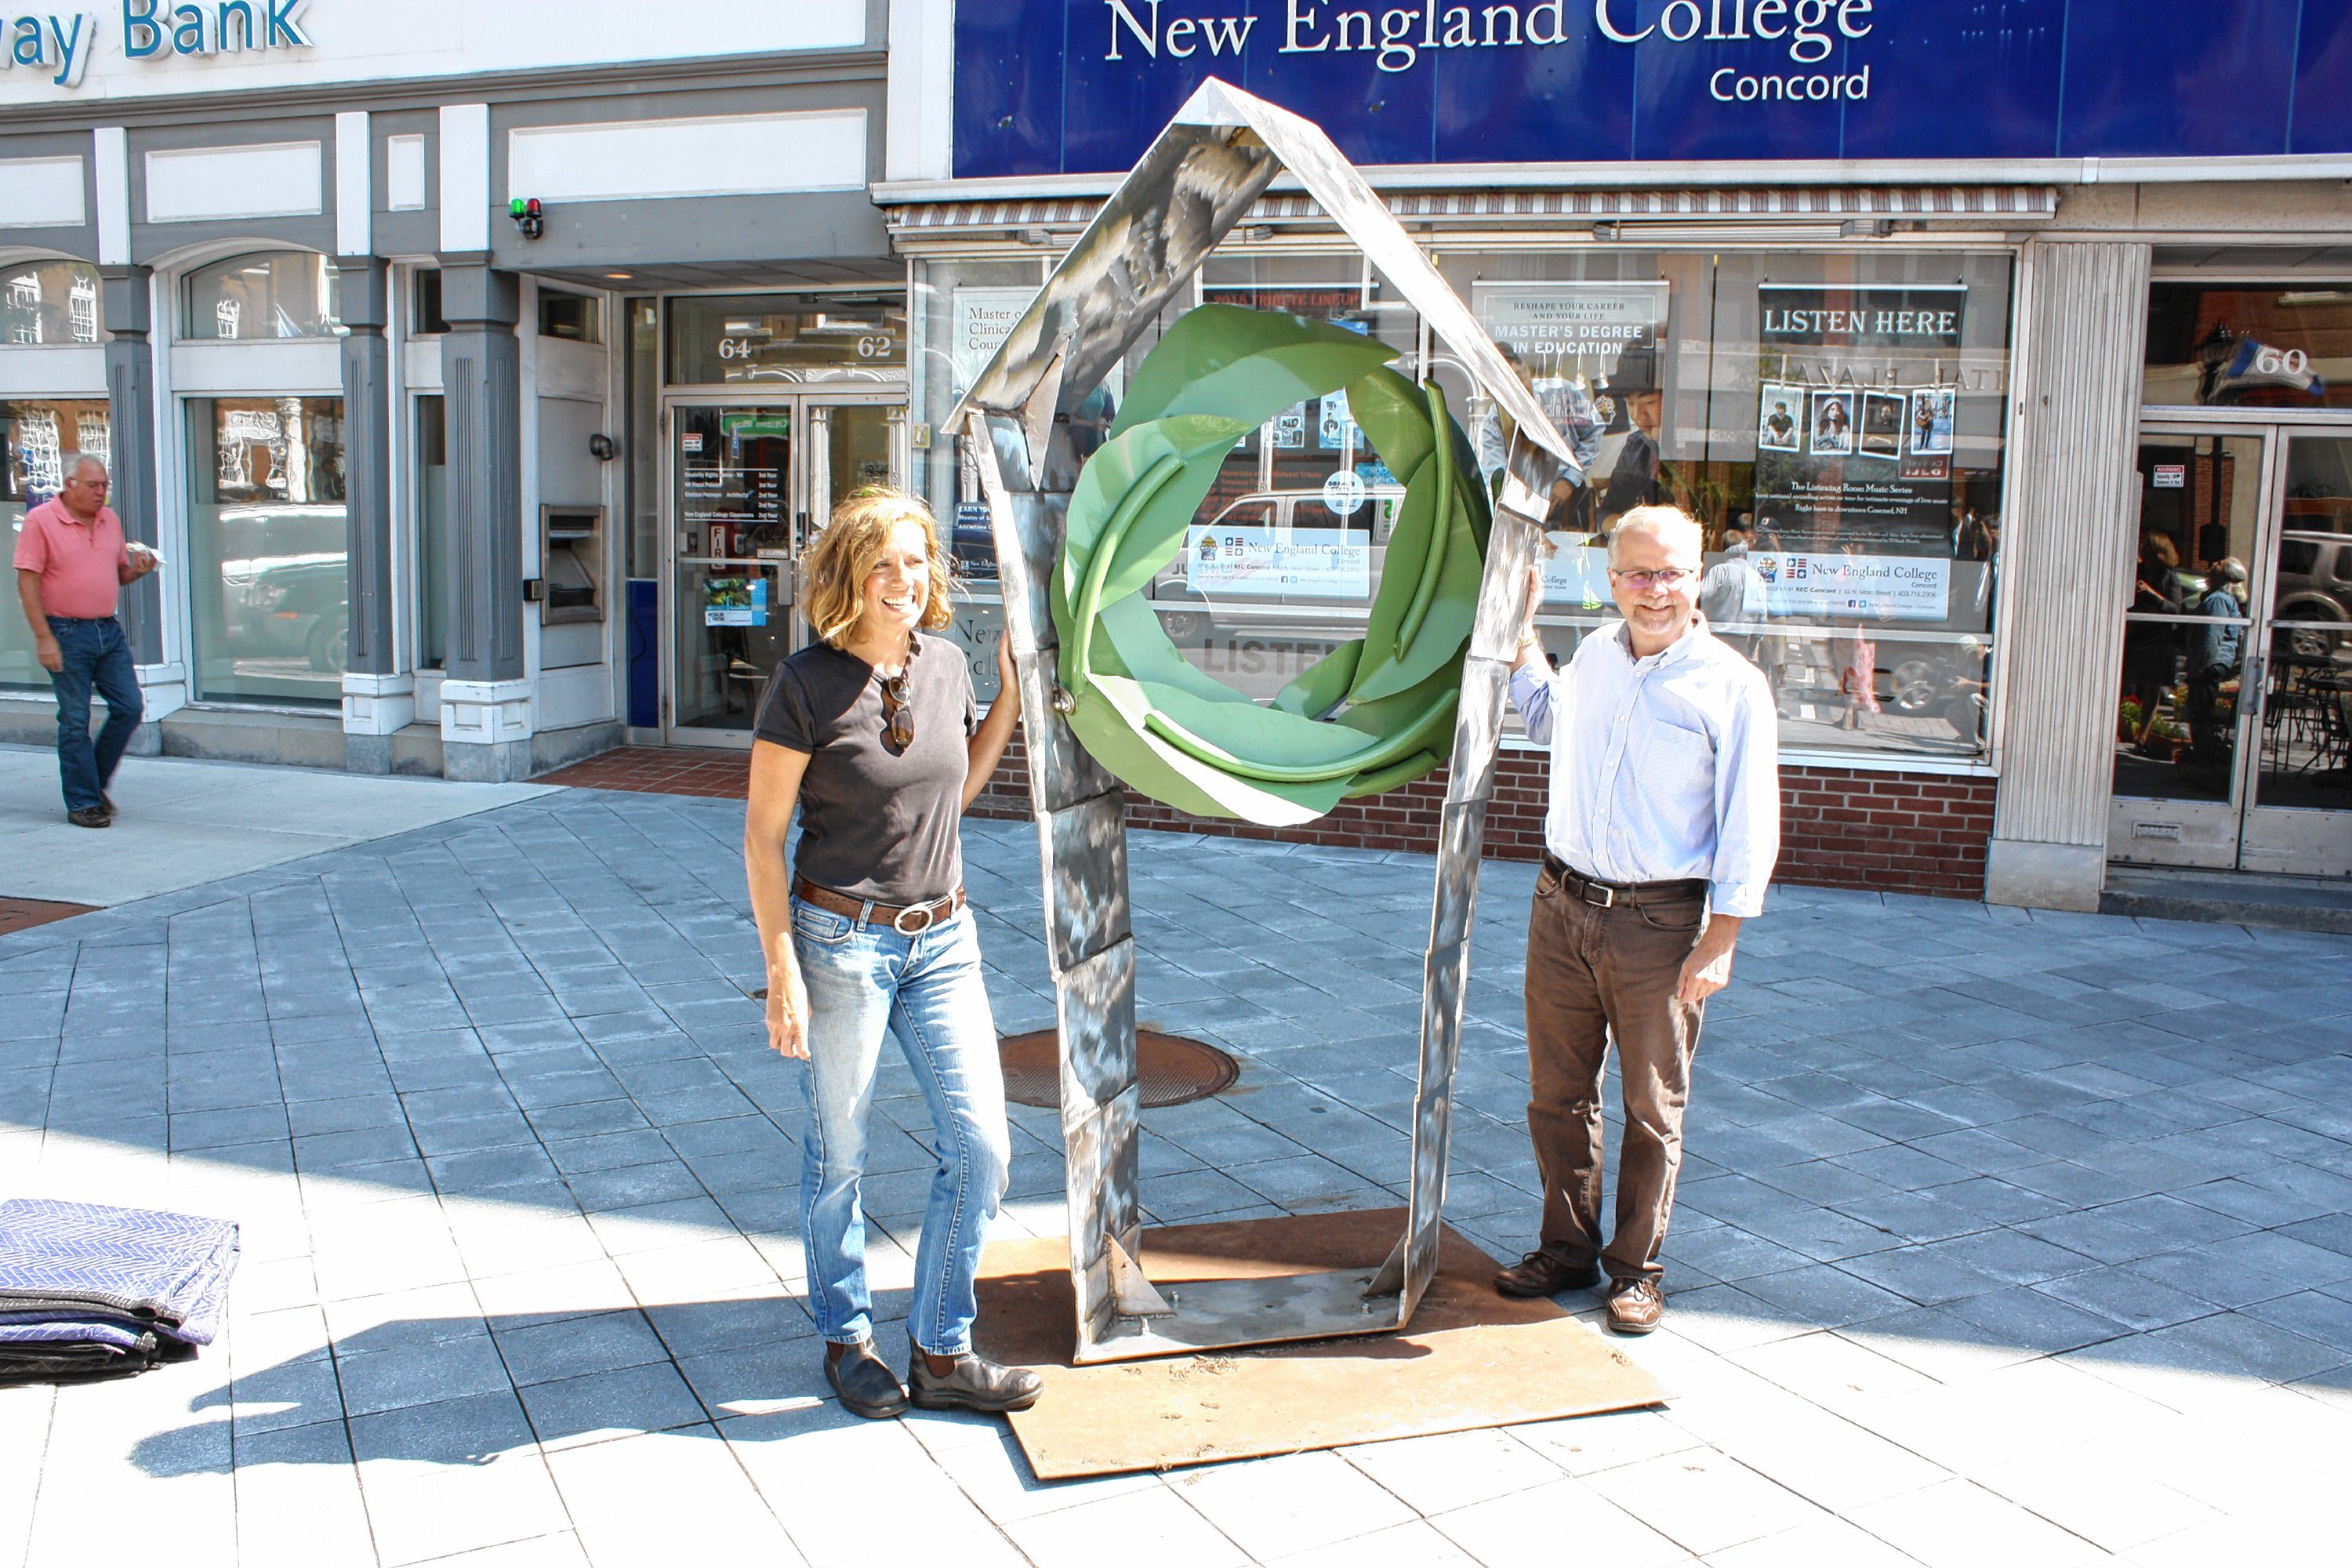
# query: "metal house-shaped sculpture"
1197,182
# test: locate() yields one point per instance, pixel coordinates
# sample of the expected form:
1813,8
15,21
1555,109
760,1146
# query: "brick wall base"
1840,828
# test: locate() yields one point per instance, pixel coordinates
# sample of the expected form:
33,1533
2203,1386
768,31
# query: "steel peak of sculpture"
1106,697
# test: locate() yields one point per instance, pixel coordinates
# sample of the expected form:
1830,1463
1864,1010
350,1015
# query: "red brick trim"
1840,828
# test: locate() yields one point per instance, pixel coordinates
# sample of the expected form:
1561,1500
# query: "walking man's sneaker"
1541,1273
972,1383
91,816
1635,1306
866,1385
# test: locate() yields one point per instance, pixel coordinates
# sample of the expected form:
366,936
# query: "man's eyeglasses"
897,709
1644,582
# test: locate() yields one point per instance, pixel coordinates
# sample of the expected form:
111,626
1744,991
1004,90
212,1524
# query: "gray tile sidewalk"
2001,1237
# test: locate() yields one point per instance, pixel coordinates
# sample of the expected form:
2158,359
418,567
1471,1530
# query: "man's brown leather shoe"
1541,1274
1635,1306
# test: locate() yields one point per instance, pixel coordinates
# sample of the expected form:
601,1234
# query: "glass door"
750,484
2299,810
2231,746
731,548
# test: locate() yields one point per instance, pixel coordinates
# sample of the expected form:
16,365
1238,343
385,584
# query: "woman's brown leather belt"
907,919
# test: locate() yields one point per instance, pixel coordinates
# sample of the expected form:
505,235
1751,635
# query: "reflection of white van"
1193,618
1307,508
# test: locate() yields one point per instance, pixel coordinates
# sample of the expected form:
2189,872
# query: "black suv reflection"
285,583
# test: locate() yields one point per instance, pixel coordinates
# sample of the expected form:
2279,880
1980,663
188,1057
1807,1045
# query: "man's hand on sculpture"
1528,640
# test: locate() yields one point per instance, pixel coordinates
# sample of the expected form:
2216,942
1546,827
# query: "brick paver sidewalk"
2002,1238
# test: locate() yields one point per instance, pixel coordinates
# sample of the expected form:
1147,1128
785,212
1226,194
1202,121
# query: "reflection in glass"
432,534
2249,345
265,295
268,549
2305,759
50,302
36,433
731,472
746,339
641,452
2314,566
1834,423
2177,719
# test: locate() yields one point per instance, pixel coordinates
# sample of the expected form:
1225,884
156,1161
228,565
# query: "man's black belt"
1607,895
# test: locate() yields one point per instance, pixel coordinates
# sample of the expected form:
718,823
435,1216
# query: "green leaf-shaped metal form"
1375,712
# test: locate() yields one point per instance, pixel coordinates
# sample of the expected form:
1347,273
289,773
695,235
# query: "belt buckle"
928,911
1608,899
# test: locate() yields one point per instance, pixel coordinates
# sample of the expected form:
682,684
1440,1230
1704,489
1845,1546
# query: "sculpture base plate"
1222,1314
1471,1358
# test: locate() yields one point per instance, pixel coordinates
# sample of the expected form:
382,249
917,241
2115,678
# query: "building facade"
1960,309
482,388
476,370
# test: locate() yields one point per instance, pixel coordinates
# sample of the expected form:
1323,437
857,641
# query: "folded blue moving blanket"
88,1290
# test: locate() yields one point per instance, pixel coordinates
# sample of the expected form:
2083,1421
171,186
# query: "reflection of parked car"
285,582
1280,511
2314,584
1916,680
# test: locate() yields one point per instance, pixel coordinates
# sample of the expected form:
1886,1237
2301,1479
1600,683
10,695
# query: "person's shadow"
464,1390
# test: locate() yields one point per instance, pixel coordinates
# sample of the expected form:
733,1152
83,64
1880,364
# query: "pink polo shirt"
79,565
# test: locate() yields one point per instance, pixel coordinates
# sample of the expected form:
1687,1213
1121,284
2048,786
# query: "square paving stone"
649,1398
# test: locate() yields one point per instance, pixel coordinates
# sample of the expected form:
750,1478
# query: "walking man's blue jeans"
865,980
95,658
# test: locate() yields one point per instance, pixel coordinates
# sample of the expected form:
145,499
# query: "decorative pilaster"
485,721
2069,546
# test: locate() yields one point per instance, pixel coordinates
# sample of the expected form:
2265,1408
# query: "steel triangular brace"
1389,1281
1131,1289
1038,411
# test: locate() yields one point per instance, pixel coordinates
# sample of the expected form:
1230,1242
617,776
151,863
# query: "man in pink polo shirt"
71,562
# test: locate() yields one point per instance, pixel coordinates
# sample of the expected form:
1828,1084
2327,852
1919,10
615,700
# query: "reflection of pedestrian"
2150,647
1857,654
1732,592
71,562
2214,649
1663,826
1633,478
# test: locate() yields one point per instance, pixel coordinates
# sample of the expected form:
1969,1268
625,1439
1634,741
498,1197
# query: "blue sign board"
1081,86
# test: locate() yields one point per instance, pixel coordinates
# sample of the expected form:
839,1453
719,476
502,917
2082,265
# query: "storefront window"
432,534
2249,345
572,317
36,435
1846,409
266,295
747,340
50,302
425,319
268,549
1842,413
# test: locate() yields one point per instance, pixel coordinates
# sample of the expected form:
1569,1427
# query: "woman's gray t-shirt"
875,822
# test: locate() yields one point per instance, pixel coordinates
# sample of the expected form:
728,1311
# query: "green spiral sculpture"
1372,714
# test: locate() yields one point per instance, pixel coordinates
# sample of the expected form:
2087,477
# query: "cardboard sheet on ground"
1472,1357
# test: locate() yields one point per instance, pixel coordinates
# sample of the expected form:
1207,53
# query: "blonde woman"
872,732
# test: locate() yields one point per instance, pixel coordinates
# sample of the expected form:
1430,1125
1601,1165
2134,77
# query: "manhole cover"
1170,1069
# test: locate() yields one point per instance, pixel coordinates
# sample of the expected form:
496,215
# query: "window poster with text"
1854,430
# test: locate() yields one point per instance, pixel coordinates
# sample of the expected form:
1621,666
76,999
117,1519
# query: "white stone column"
2066,555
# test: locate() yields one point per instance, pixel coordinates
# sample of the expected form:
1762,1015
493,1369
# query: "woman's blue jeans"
864,981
